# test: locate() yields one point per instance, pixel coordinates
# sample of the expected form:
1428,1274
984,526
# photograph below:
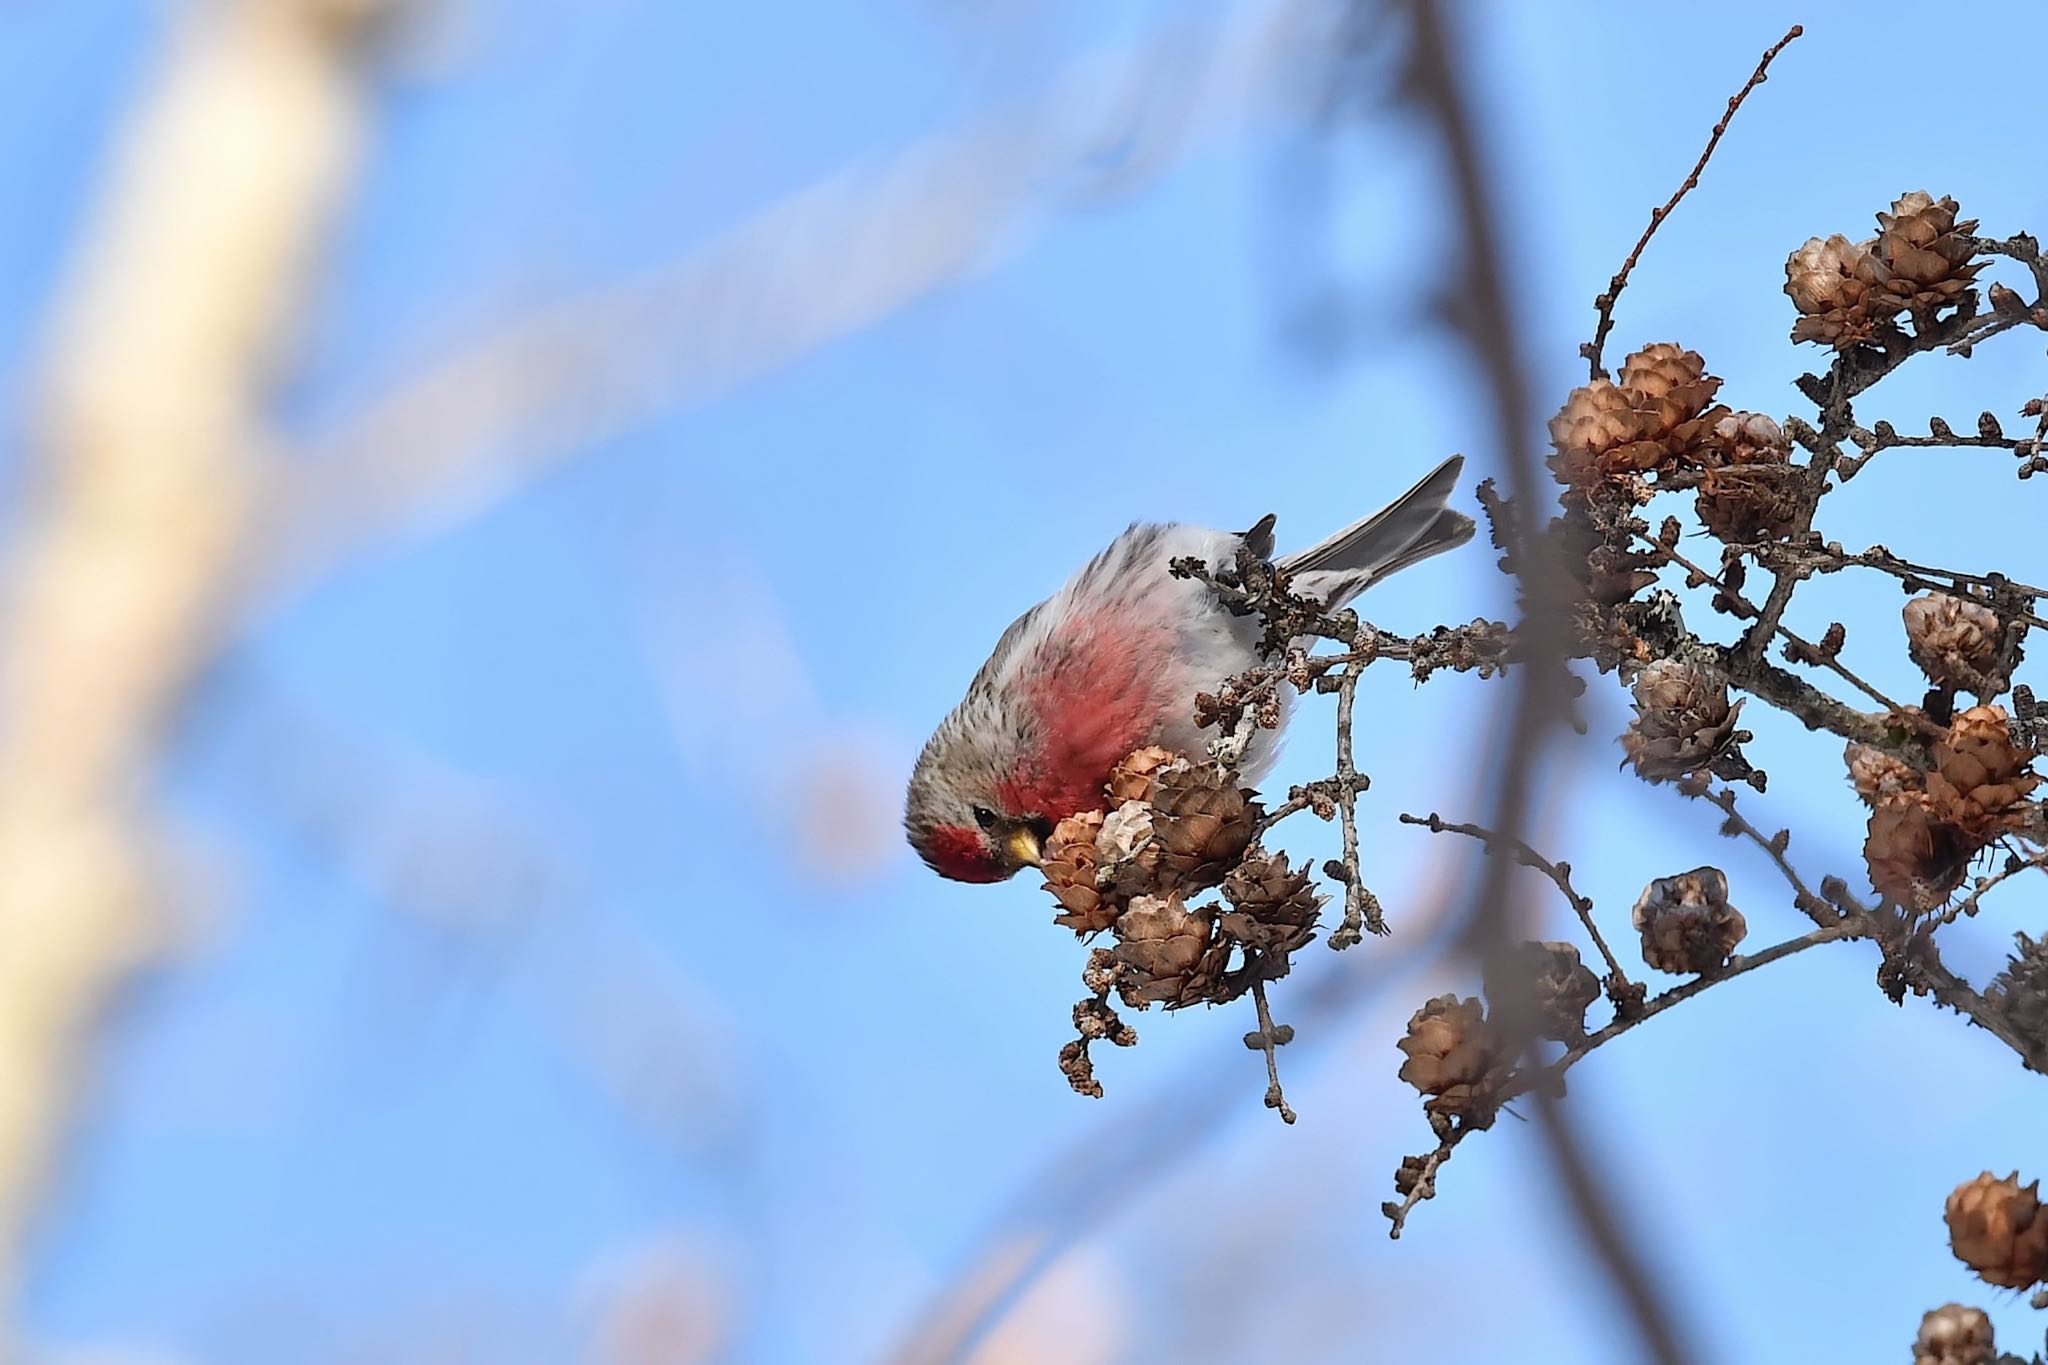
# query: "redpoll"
1112,662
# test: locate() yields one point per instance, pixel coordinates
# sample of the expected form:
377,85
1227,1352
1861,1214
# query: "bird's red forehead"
961,854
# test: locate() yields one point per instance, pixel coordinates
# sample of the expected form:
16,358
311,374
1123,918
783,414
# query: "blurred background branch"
148,437
828,261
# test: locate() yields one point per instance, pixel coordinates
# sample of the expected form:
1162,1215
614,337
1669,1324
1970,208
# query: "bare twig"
1606,301
1270,1040
1915,577
1737,966
1883,436
1817,709
1422,1186
1812,906
1559,873
1361,907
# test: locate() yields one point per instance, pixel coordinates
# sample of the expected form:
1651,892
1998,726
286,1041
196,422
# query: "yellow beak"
1024,846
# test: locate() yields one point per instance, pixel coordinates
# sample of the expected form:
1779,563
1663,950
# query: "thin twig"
1916,577
1921,970
1737,966
1423,1188
1269,1042
1940,435
1605,303
1851,372
1361,907
1743,607
1816,909
1559,873
1970,904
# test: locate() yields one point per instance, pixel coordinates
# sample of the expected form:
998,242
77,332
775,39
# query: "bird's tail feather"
1409,529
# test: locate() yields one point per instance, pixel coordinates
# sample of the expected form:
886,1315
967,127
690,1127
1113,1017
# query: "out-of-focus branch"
829,261
1560,875
1120,1159
1484,309
146,435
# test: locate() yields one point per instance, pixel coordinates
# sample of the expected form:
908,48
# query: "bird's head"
960,814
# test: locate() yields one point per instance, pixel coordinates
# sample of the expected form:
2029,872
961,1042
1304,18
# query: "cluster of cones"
1967,788
1999,1229
1926,825
1658,424
1461,1052
1171,829
1660,418
1919,262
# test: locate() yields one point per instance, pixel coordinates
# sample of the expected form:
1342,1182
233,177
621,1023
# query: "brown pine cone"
1926,251
1954,640
1069,867
1876,774
1165,953
1546,984
1604,563
1607,435
1669,388
1615,574
1126,854
1687,924
1739,504
1954,1335
1598,435
1996,1228
1201,823
1914,858
1840,289
1980,773
1453,1056
1683,720
1131,778
1274,909
2020,990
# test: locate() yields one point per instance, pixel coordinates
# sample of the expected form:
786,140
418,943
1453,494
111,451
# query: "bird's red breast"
1099,686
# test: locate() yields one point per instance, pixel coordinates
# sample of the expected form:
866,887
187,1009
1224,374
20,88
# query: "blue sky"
509,962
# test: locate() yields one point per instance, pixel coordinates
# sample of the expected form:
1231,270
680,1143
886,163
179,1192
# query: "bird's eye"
984,817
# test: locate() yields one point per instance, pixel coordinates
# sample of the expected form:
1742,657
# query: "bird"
1112,662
